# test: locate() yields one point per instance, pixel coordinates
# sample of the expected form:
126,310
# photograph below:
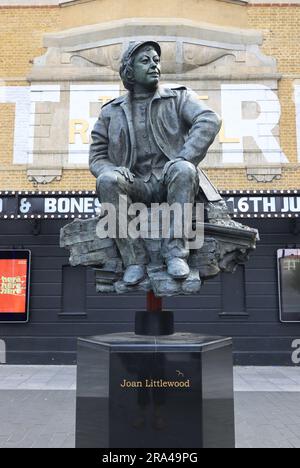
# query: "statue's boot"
134,275
178,268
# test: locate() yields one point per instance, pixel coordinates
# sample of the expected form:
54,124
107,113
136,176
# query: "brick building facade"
23,29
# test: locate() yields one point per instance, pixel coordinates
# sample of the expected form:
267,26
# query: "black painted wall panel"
50,337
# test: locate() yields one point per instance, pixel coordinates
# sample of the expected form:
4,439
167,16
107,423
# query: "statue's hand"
125,172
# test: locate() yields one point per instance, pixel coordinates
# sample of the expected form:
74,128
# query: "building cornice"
69,3
33,3
237,2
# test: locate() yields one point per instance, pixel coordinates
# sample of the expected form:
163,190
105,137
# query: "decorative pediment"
91,53
80,72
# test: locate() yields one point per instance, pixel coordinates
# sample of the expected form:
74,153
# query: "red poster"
13,281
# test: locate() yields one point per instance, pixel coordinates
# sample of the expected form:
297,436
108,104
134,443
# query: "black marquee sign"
68,205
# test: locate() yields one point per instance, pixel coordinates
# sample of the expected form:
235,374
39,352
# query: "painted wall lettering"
258,123
85,105
250,112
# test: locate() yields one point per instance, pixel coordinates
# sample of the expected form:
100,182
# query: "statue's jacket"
181,124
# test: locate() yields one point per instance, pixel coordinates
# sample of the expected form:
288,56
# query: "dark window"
289,284
233,293
73,291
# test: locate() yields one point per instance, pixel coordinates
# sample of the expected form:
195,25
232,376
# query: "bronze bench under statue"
227,244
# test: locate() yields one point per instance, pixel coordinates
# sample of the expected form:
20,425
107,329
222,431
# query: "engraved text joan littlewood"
127,384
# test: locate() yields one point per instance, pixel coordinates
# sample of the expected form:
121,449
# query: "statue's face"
147,68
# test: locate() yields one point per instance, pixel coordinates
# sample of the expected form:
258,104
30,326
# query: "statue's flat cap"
133,47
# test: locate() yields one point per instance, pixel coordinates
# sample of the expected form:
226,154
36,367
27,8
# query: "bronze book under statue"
146,149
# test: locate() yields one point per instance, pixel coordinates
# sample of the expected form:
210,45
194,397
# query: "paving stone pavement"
37,407
37,418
